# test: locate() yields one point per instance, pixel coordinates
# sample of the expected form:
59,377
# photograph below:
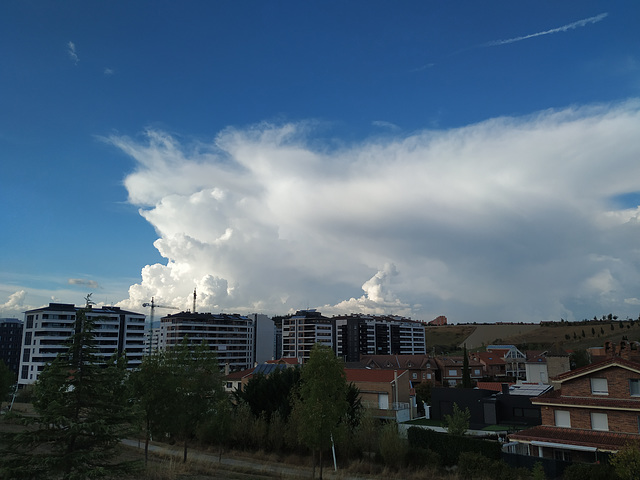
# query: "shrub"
589,471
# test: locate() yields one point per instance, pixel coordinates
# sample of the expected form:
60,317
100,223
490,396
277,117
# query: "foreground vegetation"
83,408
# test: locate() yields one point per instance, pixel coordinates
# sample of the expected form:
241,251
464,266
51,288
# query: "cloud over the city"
507,219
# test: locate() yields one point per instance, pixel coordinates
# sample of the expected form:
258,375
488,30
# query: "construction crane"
153,306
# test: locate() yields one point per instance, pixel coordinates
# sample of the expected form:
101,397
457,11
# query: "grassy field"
450,338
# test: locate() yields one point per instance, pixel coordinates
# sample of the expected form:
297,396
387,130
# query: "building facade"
593,409
359,334
232,336
300,332
47,329
10,342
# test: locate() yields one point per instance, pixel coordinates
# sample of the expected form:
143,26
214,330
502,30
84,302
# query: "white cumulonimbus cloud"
511,219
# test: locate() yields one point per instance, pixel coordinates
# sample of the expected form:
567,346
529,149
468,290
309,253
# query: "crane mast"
153,306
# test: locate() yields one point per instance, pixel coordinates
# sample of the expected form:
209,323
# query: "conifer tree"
82,413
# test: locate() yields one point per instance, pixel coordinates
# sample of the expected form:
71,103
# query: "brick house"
449,373
421,368
593,409
386,393
493,365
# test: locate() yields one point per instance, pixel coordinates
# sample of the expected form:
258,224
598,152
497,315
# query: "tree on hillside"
322,402
82,414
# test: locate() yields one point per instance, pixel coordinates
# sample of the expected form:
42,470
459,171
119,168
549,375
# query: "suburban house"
386,393
493,365
421,368
449,371
514,360
542,365
594,410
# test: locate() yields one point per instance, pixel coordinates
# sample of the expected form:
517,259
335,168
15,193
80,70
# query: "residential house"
594,409
422,368
494,365
450,368
541,365
386,393
514,360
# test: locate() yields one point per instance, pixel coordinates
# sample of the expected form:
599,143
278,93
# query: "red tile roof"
366,375
239,375
493,386
287,360
489,358
593,367
608,441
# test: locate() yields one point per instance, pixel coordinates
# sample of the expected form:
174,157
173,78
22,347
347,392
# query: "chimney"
625,350
505,389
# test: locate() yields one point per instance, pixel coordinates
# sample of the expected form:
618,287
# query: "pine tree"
466,371
82,414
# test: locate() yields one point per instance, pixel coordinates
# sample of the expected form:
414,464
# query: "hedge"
449,447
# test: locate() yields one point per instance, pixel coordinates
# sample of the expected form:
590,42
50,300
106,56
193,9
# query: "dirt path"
260,469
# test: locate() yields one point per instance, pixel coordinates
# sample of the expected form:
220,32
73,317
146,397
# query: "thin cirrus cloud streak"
564,28
71,50
511,219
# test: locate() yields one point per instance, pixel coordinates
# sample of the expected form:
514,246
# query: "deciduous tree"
322,404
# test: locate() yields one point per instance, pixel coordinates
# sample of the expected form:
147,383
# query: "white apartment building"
47,329
360,334
232,336
300,332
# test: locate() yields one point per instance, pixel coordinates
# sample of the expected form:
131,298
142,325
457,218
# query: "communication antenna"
194,300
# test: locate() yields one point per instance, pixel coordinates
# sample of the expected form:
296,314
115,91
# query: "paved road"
269,469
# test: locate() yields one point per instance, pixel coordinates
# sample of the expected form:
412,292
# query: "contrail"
570,26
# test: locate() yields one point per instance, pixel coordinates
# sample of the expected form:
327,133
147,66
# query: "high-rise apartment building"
300,332
10,342
232,336
47,329
360,334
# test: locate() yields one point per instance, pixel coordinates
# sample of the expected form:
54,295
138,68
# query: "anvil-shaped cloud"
511,219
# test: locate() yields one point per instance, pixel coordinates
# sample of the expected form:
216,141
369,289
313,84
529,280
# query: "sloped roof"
490,358
287,360
239,375
493,386
395,361
367,375
606,441
597,366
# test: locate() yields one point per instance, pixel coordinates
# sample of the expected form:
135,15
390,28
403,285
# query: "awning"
564,446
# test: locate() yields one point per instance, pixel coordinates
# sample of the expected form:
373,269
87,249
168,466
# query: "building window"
563,418
25,372
453,373
599,386
599,421
634,387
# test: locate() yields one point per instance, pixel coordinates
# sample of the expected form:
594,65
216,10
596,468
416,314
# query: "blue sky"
471,159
